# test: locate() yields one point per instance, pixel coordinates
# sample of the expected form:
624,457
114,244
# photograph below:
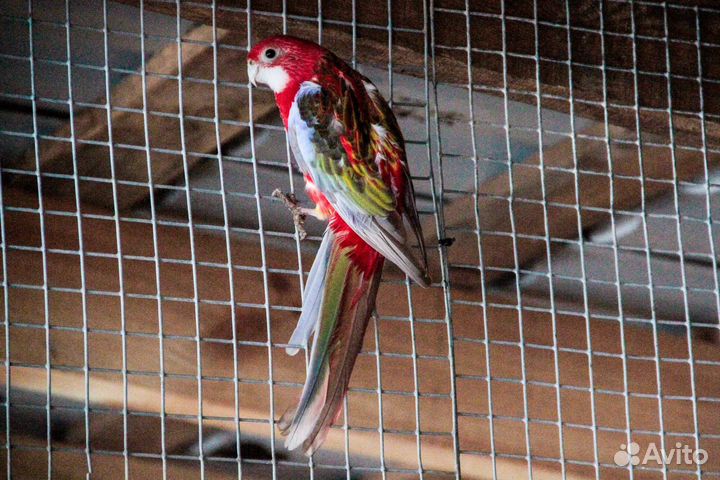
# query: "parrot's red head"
283,61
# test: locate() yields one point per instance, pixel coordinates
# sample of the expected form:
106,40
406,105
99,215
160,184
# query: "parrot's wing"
390,144
352,160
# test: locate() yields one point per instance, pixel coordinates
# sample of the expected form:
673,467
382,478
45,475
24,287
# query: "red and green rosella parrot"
348,145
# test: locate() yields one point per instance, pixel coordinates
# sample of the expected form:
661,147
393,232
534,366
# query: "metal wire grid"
436,159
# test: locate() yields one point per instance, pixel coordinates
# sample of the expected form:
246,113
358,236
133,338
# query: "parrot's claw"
299,214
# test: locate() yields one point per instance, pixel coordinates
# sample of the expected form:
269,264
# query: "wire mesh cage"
565,160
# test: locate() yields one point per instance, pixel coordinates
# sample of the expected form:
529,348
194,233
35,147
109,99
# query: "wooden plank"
487,71
27,354
519,197
164,131
402,453
71,464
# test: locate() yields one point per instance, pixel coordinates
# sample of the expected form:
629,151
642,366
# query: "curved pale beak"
252,70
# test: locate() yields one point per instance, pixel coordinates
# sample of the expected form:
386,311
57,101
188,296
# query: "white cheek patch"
274,77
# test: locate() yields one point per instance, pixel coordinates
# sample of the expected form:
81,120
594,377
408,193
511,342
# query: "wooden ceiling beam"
408,53
513,207
163,123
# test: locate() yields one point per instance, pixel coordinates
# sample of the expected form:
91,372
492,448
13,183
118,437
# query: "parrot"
348,145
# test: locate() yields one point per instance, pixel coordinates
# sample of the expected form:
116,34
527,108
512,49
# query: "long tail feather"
313,295
348,291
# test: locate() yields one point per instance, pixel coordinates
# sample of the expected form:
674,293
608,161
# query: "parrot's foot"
299,213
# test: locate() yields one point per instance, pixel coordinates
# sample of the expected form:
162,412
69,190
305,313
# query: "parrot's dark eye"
270,53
